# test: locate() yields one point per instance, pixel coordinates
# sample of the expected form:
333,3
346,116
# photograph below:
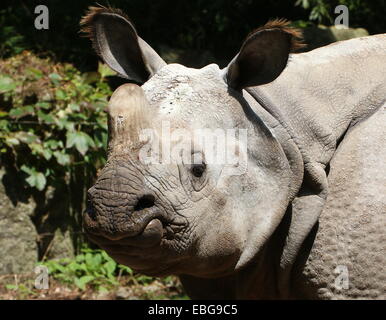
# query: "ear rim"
278,28
148,60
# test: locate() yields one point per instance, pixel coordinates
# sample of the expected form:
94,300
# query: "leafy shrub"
95,270
52,119
362,13
92,267
91,274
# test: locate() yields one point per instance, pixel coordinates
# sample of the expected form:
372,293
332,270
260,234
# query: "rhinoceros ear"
263,55
115,40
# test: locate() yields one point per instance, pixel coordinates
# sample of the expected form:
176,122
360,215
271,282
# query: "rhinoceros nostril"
145,201
90,211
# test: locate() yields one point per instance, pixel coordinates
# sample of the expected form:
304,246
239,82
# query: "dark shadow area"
13,181
193,33
191,28
309,289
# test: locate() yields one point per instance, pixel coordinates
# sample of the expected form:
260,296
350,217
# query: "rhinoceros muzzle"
142,228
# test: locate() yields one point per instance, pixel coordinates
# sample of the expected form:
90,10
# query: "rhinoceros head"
195,183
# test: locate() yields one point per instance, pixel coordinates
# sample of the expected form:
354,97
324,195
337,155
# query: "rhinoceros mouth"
141,252
149,236
128,225
142,229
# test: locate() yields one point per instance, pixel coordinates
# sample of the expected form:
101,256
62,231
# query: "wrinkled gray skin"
311,203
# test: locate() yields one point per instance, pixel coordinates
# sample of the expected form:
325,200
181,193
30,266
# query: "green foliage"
90,274
24,291
7,84
95,270
11,41
90,268
54,122
362,13
319,9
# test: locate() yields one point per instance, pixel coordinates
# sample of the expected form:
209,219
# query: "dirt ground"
21,287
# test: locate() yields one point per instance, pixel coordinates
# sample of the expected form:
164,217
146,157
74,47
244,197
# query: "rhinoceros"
301,214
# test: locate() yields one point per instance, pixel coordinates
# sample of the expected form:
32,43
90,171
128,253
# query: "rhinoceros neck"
317,99
323,92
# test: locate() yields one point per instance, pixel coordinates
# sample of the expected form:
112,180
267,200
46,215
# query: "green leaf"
81,116
80,140
40,181
46,117
27,169
64,123
91,77
73,266
83,267
79,258
74,107
26,137
43,105
88,259
105,256
21,111
37,148
36,179
62,158
35,72
90,141
11,286
97,259
60,94
16,112
54,266
100,138
55,78
53,144
82,281
47,154
126,269
12,141
144,279
4,125
6,84
70,139
102,290
110,266
93,261
105,71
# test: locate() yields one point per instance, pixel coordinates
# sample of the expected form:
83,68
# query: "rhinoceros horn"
128,111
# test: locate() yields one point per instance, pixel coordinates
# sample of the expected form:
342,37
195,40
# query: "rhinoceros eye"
198,169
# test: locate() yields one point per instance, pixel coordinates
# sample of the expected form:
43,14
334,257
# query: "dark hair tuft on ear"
296,36
87,22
